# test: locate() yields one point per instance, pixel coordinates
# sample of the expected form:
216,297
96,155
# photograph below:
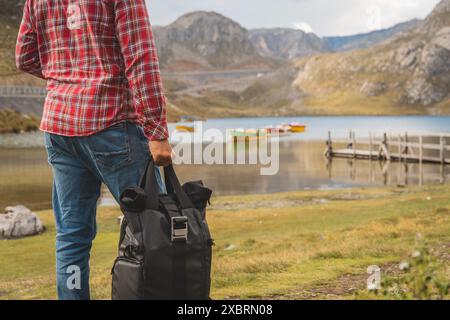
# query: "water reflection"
388,173
25,176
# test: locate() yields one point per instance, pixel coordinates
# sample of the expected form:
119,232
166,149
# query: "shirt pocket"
110,147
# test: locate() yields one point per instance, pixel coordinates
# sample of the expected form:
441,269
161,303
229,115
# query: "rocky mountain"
408,73
366,40
206,41
287,43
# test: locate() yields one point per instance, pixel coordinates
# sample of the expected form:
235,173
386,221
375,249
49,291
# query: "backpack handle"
150,185
173,186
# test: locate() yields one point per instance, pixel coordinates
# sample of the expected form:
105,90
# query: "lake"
25,176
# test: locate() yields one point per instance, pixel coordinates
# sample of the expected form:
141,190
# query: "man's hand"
161,152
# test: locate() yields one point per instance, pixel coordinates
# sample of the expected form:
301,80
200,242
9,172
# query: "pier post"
370,145
421,150
421,160
406,149
384,148
329,149
354,144
350,145
442,149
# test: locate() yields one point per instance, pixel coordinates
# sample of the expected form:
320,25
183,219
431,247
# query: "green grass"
287,250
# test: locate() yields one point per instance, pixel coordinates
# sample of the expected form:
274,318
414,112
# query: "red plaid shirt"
100,62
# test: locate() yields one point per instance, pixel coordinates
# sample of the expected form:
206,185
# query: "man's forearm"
135,36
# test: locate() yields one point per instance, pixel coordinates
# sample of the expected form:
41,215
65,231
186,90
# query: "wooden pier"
406,148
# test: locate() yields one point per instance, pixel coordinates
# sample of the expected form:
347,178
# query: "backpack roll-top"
165,244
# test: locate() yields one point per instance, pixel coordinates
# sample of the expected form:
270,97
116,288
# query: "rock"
421,91
18,222
434,60
404,265
372,89
407,55
442,38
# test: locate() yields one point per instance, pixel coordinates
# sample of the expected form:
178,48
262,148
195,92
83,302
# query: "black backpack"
165,244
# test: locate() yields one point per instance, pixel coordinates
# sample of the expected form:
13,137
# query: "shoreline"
316,130
26,140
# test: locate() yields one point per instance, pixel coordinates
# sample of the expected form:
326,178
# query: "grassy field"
301,245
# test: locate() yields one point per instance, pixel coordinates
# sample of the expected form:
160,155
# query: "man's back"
101,67
100,63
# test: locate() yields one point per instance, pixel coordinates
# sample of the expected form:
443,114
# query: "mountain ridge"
407,73
285,43
410,70
207,41
366,40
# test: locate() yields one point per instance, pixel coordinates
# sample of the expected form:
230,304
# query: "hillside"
287,43
10,15
407,74
206,41
205,56
366,40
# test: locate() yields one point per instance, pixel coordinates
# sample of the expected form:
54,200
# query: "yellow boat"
185,128
296,127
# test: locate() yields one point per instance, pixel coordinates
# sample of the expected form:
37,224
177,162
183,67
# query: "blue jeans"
116,156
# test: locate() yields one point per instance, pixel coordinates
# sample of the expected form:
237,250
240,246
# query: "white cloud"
304,26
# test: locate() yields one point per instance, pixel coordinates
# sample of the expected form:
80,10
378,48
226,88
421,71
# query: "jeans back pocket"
110,147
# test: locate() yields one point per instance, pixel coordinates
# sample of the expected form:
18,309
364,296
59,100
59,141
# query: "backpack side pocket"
127,279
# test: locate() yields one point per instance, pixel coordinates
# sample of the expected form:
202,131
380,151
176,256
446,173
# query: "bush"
12,121
424,278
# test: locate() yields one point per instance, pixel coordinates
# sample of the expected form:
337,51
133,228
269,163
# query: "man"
104,110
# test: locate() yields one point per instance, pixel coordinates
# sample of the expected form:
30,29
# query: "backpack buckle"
179,228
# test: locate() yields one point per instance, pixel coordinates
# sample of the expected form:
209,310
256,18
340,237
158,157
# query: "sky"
323,17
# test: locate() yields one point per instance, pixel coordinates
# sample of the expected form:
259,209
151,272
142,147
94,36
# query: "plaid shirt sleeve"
27,54
134,32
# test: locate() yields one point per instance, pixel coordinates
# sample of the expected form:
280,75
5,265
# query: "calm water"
26,178
318,127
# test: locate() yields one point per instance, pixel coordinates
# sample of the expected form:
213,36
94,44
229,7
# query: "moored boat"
183,128
295,127
279,130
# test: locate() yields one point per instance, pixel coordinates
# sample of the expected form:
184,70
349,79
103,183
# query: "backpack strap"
173,186
179,270
179,223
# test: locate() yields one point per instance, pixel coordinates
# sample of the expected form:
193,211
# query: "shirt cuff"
156,133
